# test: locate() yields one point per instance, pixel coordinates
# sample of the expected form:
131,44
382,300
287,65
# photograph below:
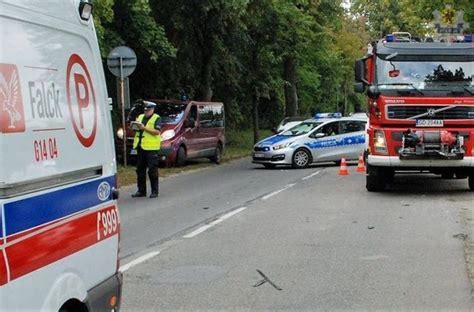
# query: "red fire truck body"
421,109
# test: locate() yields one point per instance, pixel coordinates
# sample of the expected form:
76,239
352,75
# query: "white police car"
325,138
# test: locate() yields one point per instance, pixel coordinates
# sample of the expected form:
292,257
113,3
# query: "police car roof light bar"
327,115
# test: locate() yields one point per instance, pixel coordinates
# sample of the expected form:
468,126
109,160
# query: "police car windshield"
301,129
170,113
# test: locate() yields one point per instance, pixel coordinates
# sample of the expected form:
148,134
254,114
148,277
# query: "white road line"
139,260
277,192
211,224
310,176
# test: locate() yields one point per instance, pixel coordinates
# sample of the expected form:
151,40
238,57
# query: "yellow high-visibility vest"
149,142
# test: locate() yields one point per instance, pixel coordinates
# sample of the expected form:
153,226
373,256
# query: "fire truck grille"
430,112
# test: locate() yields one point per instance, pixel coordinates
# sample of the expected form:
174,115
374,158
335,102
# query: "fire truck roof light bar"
394,38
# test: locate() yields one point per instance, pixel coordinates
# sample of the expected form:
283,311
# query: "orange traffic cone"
361,165
343,170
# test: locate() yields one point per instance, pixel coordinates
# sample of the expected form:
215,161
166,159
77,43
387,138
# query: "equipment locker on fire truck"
59,220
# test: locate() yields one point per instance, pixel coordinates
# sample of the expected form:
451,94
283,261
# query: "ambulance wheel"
301,158
269,166
217,155
181,157
471,182
375,179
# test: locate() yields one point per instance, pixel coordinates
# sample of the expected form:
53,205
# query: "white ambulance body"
59,222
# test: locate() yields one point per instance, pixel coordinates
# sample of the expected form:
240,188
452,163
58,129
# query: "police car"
327,137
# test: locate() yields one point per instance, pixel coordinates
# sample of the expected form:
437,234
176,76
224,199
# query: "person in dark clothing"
147,143
135,111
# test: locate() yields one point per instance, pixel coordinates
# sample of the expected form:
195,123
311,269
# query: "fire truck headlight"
380,144
120,133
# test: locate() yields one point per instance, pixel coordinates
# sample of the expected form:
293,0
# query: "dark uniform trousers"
150,160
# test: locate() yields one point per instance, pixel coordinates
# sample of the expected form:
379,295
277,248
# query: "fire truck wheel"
375,179
471,182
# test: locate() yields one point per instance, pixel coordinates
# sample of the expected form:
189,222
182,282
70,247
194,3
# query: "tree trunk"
255,117
291,95
205,91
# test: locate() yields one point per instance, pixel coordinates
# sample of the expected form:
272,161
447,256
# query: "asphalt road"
318,240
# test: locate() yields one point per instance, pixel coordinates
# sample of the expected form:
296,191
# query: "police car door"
353,132
325,142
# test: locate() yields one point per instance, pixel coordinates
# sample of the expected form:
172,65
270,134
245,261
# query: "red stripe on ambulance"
3,266
61,241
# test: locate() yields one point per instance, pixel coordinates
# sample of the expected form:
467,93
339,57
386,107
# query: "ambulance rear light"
85,10
113,302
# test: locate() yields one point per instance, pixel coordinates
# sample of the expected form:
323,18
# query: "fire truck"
421,108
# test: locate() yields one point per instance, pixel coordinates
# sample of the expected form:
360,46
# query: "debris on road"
460,236
266,279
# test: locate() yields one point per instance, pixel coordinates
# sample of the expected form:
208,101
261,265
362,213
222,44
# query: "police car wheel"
301,158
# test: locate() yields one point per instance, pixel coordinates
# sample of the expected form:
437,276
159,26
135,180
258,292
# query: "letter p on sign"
82,94
81,100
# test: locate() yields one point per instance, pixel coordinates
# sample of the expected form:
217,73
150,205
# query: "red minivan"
189,129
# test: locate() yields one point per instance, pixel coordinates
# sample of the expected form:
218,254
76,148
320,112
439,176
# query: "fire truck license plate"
429,123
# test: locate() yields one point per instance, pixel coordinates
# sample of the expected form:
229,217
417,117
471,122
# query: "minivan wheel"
217,155
181,157
301,158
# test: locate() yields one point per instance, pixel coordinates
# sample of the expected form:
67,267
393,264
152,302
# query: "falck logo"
12,118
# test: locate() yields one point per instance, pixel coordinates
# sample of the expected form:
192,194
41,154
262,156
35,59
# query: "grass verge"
239,144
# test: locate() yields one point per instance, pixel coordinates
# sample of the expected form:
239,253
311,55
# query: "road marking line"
277,192
139,260
211,224
310,176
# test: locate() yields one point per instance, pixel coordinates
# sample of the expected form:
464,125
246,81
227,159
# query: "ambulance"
59,220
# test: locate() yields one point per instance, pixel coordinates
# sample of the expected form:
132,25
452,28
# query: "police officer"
147,143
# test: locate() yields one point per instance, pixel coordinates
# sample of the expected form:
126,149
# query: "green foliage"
235,51
385,16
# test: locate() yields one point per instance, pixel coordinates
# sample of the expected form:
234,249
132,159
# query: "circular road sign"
125,67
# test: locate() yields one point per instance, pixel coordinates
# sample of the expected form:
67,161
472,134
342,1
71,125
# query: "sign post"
122,62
